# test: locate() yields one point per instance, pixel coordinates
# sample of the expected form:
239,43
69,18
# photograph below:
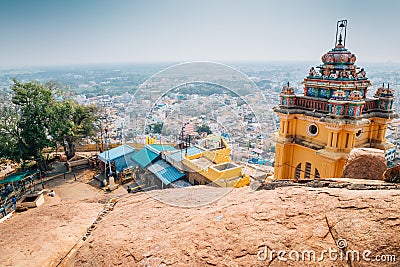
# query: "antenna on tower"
341,31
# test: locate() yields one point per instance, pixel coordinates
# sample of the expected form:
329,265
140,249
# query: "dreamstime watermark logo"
341,243
341,253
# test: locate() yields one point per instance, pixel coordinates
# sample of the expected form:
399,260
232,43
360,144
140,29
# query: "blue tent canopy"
120,155
159,148
144,157
17,176
165,172
179,155
150,153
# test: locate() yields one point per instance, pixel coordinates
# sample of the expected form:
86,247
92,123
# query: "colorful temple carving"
334,115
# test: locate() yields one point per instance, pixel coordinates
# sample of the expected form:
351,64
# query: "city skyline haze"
45,32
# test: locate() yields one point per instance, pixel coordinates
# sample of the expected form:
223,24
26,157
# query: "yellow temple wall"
288,156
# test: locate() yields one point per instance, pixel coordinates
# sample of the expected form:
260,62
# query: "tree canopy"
70,122
33,102
38,117
203,129
155,128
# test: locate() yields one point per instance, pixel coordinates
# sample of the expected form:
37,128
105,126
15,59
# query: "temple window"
317,175
308,170
359,134
312,129
298,171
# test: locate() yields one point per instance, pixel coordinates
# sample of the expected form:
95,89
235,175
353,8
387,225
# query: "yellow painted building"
334,115
205,166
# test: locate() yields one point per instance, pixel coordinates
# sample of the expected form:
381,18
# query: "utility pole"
101,135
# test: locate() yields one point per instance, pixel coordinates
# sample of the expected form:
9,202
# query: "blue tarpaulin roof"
193,150
158,148
165,172
17,176
180,154
158,166
175,157
112,154
144,157
121,156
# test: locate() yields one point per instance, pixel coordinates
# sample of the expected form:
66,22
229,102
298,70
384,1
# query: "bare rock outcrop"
365,163
392,175
243,227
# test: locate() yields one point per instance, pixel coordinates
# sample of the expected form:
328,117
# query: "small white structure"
112,185
32,200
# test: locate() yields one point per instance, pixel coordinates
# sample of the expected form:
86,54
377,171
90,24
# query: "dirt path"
41,236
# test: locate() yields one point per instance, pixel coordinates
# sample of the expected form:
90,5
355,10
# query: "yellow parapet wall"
222,171
218,156
226,174
234,182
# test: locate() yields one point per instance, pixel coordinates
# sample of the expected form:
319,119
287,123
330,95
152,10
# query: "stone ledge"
320,183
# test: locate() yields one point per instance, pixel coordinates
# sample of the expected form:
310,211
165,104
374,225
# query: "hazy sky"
48,32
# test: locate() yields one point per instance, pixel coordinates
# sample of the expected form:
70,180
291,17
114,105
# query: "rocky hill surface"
365,163
243,227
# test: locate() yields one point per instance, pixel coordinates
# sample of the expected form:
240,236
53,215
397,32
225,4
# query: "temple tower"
334,115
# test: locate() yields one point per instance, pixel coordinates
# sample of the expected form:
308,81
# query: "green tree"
38,117
203,129
10,137
156,127
69,123
33,101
